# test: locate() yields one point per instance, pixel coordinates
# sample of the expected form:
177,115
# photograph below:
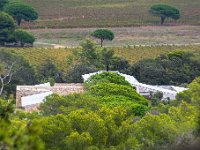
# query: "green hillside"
97,13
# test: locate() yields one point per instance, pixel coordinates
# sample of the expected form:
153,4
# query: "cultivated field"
58,56
107,13
124,36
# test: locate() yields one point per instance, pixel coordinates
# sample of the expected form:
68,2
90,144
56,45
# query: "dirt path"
56,46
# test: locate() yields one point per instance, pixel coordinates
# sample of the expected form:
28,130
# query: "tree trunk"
101,42
22,44
18,22
162,20
107,67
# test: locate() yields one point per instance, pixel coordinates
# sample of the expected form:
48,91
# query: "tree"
24,37
174,68
88,53
5,78
7,27
15,133
15,70
21,11
2,4
107,57
164,11
120,64
48,72
74,74
103,34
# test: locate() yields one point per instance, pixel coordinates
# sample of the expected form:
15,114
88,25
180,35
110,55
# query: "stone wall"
59,88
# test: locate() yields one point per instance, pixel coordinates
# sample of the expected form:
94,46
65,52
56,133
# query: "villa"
30,97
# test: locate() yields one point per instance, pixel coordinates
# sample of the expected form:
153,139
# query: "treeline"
174,68
108,115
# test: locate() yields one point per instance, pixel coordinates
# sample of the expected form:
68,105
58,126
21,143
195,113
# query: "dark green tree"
175,68
74,74
7,27
14,70
103,34
15,134
164,11
88,53
21,11
24,37
107,58
2,4
48,72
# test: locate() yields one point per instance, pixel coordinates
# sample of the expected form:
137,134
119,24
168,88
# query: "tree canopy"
174,68
3,3
20,11
103,34
164,11
24,37
7,27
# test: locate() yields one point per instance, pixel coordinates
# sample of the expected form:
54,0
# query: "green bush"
107,77
24,37
7,27
108,89
131,105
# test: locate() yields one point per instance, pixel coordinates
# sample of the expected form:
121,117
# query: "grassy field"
36,56
124,36
107,13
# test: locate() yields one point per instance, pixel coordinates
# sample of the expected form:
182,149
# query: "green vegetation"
9,35
2,4
21,11
24,37
109,114
174,68
164,11
17,133
118,13
14,70
85,121
7,27
103,34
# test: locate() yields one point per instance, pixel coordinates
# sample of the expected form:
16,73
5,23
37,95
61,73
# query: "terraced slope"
98,13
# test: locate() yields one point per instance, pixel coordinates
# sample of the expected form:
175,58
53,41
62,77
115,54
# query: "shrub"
109,89
107,77
24,37
7,27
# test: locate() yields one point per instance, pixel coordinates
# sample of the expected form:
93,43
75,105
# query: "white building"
169,92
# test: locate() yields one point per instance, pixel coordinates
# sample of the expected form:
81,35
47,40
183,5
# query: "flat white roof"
34,99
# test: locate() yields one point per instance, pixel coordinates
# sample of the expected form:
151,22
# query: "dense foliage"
7,27
175,68
88,121
24,37
21,72
2,4
17,133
